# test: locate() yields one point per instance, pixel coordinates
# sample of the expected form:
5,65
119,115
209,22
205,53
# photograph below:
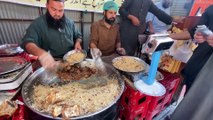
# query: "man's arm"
149,19
92,45
209,39
120,50
77,38
125,13
78,44
161,15
185,35
32,48
150,27
46,60
93,36
200,38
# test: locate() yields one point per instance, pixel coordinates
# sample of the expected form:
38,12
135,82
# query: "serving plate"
11,64
129,64
75,56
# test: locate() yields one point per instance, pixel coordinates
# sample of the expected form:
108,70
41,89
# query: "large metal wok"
40,77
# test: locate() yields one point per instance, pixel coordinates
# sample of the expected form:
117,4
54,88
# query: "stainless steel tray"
16,82
11,64
6,78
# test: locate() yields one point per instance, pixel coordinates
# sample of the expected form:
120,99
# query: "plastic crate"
132,114
170,93
133,97
158,104
155,107
171,82
151,114
155,102
138,106
133,104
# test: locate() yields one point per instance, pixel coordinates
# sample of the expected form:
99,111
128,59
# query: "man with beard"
105,37
51,35
154,24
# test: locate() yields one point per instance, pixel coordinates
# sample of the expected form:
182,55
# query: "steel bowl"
130,57
72,52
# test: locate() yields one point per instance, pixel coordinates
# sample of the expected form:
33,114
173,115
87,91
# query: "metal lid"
156,89
11,64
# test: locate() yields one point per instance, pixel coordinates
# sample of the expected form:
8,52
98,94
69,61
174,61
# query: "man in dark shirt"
202,52
133,14
197,104
52,34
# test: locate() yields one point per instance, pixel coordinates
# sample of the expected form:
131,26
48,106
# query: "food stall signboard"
80,5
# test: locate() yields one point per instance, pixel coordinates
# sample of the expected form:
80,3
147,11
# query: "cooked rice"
75,57
128,64
89,100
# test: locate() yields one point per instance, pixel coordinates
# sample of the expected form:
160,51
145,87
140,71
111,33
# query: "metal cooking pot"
38,77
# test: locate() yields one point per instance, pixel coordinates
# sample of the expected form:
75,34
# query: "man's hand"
210,40
47,61
121,51
199,37
95,52
78,45
135,20
178,20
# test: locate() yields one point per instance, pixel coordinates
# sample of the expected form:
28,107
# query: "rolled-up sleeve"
118,38
31,35
94,34
77,33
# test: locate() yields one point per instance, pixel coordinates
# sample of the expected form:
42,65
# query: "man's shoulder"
39,21
69,21
97,23
210,8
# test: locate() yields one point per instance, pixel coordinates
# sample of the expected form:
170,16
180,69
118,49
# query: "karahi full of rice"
72,99
128,64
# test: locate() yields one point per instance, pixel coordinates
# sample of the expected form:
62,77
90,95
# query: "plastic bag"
183,52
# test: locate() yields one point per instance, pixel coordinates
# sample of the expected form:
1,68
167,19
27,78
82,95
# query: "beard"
55,23
110,21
